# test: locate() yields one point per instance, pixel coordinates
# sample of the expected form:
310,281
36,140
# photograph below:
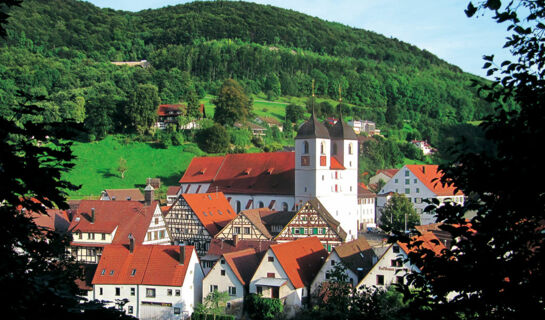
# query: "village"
274,224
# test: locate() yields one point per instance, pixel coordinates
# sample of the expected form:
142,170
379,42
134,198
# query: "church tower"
326,167
312,161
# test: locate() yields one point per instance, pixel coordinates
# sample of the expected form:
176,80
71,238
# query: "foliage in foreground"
495,270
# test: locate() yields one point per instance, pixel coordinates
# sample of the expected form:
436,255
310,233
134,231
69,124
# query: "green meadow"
97,162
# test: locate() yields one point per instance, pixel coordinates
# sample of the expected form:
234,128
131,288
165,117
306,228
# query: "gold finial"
313,87
340,95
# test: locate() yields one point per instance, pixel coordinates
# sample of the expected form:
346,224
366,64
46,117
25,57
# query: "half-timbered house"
194,219
313,220
99,223
256,224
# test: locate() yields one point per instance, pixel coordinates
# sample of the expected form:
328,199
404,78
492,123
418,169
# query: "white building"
232,273
159,282
366,208
324,165
419,182
286,272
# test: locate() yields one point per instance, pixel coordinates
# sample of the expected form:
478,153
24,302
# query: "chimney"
181,257
92,215
148,195
131,243
235,240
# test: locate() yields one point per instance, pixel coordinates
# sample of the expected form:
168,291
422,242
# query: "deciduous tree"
232,104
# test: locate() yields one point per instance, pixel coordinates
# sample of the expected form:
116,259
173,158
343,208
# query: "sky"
438,26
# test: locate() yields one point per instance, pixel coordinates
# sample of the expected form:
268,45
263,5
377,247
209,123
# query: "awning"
271,282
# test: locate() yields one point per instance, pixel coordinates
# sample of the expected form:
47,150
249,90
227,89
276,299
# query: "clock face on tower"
323,161
305,160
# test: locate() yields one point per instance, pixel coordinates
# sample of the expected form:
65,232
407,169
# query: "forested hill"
61,49
81,25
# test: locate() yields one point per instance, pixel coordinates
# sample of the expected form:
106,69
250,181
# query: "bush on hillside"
214,139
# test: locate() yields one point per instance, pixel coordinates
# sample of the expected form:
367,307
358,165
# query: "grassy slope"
95,168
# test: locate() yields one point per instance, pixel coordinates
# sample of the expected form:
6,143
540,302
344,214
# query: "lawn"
96,165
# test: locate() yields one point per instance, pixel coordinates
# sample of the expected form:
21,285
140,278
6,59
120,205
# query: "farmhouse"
122,194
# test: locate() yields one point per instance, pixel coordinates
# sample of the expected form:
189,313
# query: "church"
324,165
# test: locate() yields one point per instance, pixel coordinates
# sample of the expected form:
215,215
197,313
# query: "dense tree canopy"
495,270
232,104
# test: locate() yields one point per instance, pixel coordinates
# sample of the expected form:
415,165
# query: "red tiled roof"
429,241
336,165
152,265
212,209
219,247
127,216
173,190
389,172
244,263
165,109
364,192
202,169
430,176
125,194
253,173
54,220
300,259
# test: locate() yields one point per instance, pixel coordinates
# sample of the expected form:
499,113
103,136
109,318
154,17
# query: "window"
417,190
169,292
133,272
133,291
162,234
150,293
91,236
350,149
232,291
117,291
177,293
222,272
246,230
332,262
130,310
407,181
237,230
80,235
322,148
100,291
270,274
213,288
103,272
380,280
407,173
305,147
259,290
149,236
395,249
314,230
112,272
103,236
270,259
238,206
396,180
407,190
222,261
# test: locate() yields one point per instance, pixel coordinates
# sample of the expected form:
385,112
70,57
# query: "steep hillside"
61,49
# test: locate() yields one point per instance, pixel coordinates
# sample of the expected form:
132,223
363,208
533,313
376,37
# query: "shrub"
214,139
